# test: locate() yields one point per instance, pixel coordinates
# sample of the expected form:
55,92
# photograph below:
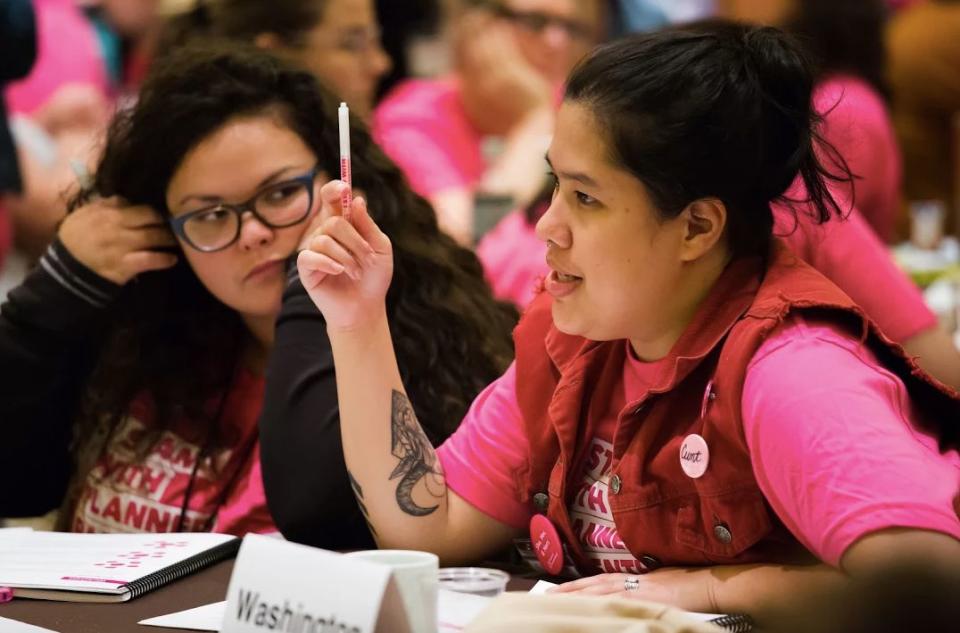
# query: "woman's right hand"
116,241
498,86
346,263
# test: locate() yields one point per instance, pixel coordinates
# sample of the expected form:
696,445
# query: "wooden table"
204,587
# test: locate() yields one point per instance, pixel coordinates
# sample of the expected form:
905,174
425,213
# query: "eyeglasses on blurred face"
537,22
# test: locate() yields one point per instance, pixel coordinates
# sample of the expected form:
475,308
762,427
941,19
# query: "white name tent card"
208,617
456,611
290,588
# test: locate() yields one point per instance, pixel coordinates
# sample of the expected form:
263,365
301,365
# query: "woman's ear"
268,41
704,222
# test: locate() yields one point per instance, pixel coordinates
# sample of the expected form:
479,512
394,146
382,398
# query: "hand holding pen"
347,262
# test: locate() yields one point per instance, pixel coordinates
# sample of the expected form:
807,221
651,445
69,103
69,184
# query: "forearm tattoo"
418,461
358,493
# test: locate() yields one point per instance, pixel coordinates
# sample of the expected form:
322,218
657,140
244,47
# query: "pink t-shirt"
834,448
590,515
857,123
845,251
67,52
124,493
423,127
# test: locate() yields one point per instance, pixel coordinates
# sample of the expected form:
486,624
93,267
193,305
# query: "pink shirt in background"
68,51
857,123
831,435
845,251
514,259
423,127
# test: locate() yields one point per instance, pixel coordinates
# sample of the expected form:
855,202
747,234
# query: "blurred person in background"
924,45
846,40
405,26
57,113
510,60
18,50
129,29
337,40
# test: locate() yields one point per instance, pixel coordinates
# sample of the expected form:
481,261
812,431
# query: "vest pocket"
724,526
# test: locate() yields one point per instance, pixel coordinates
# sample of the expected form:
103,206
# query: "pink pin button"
546,544
694,456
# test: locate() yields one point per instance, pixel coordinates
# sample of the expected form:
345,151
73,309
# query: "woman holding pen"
688,399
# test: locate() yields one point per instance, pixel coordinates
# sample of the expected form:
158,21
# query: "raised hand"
346,264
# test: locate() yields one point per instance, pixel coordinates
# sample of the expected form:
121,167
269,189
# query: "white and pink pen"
345,169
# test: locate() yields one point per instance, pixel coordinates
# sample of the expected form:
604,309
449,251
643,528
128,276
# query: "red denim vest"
664,517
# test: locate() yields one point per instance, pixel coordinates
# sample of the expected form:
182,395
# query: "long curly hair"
170,338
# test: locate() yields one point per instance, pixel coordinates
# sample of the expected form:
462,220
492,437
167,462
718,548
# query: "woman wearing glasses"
511,59
134,355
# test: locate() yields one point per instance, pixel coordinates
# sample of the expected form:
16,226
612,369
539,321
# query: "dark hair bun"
784,83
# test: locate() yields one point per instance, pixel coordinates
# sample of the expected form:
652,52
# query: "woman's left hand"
692,589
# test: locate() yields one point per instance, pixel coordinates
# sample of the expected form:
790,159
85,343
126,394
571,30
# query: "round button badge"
694,456
546,544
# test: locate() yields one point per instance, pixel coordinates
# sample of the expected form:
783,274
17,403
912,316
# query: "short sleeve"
833,444
422,127
481,459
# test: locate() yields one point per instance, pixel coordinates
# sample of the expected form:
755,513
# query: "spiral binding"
186,567
734,623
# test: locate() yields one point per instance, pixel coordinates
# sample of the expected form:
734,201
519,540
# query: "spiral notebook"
103,567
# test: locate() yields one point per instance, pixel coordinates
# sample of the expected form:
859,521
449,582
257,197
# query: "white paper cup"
416,576
478,581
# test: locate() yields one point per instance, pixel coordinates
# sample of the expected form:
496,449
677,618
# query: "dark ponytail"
714,110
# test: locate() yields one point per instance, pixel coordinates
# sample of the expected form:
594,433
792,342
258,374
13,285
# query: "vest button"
723,534
541,501
615,484
650,562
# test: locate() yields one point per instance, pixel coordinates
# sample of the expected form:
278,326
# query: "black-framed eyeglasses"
538,22
216,227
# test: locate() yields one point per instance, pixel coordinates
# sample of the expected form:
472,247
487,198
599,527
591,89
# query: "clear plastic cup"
478,581
927,219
